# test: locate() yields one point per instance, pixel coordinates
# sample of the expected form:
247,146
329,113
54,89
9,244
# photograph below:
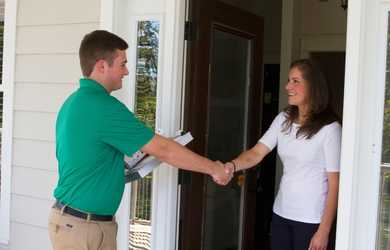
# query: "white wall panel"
51,68
34,183
39,12
323,17
34,154
35,126
333,42
30,211
147,7
42,97
26,237
52,39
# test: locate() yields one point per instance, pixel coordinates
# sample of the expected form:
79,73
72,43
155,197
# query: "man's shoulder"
93,104
92,98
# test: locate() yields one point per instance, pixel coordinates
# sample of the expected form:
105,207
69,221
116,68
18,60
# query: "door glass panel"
386,117
384,211
145,110
1,73
383,237
227,133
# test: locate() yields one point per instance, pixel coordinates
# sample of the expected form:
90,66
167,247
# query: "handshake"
223,173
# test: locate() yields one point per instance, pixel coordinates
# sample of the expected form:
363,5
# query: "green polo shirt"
93,132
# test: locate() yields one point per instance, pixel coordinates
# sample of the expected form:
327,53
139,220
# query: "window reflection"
145,110
386,117
384,207
384,211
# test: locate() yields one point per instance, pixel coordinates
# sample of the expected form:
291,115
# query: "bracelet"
234,166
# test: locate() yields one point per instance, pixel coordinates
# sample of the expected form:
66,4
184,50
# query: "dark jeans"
293,235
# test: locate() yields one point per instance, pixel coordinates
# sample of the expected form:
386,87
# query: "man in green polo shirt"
93,133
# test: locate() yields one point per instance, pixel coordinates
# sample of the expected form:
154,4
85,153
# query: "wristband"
234,166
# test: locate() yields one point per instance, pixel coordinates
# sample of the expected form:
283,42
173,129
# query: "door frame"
191,227
366,52
118,16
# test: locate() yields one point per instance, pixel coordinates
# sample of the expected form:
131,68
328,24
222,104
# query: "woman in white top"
308,138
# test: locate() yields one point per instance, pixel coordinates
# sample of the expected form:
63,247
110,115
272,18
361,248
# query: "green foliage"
146,75
1,52
386,117
144,199
145,110
384,221
384,230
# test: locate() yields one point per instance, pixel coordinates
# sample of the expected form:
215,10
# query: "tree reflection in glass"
384,209
145,110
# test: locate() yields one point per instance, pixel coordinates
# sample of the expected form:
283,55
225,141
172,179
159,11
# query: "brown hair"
320,110
97,45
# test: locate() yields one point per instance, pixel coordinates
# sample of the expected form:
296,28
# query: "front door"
222,111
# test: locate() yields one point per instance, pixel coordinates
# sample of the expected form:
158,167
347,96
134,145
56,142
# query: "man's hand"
229,165
229,170
221,174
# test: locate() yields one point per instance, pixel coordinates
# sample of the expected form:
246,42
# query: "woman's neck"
303,114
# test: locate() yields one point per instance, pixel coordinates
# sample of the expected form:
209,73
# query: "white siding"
41,97
46,72
34,126
37,217
53,39
25,157
45,12
34,183
29,237
47,68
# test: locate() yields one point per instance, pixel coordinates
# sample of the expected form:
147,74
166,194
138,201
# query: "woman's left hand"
319,241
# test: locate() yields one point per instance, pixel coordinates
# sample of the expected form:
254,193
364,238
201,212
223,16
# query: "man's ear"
100,66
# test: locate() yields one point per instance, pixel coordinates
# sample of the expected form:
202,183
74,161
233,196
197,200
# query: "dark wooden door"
222,110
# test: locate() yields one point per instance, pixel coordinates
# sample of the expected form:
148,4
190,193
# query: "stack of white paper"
142,165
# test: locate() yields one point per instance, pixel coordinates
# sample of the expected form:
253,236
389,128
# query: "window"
1,74
384,207
145,110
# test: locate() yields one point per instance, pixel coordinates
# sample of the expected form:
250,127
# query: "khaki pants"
72,233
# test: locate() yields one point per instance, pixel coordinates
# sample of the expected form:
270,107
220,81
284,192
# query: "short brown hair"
97,45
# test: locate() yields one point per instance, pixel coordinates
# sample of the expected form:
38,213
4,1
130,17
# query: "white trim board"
165,202
6,145
121,19
108,20
363,114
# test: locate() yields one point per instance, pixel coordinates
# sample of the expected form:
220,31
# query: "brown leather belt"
87,216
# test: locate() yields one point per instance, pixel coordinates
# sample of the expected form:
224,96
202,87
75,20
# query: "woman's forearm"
251,157
331,203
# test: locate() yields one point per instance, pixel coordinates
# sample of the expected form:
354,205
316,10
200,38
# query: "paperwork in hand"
141,164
